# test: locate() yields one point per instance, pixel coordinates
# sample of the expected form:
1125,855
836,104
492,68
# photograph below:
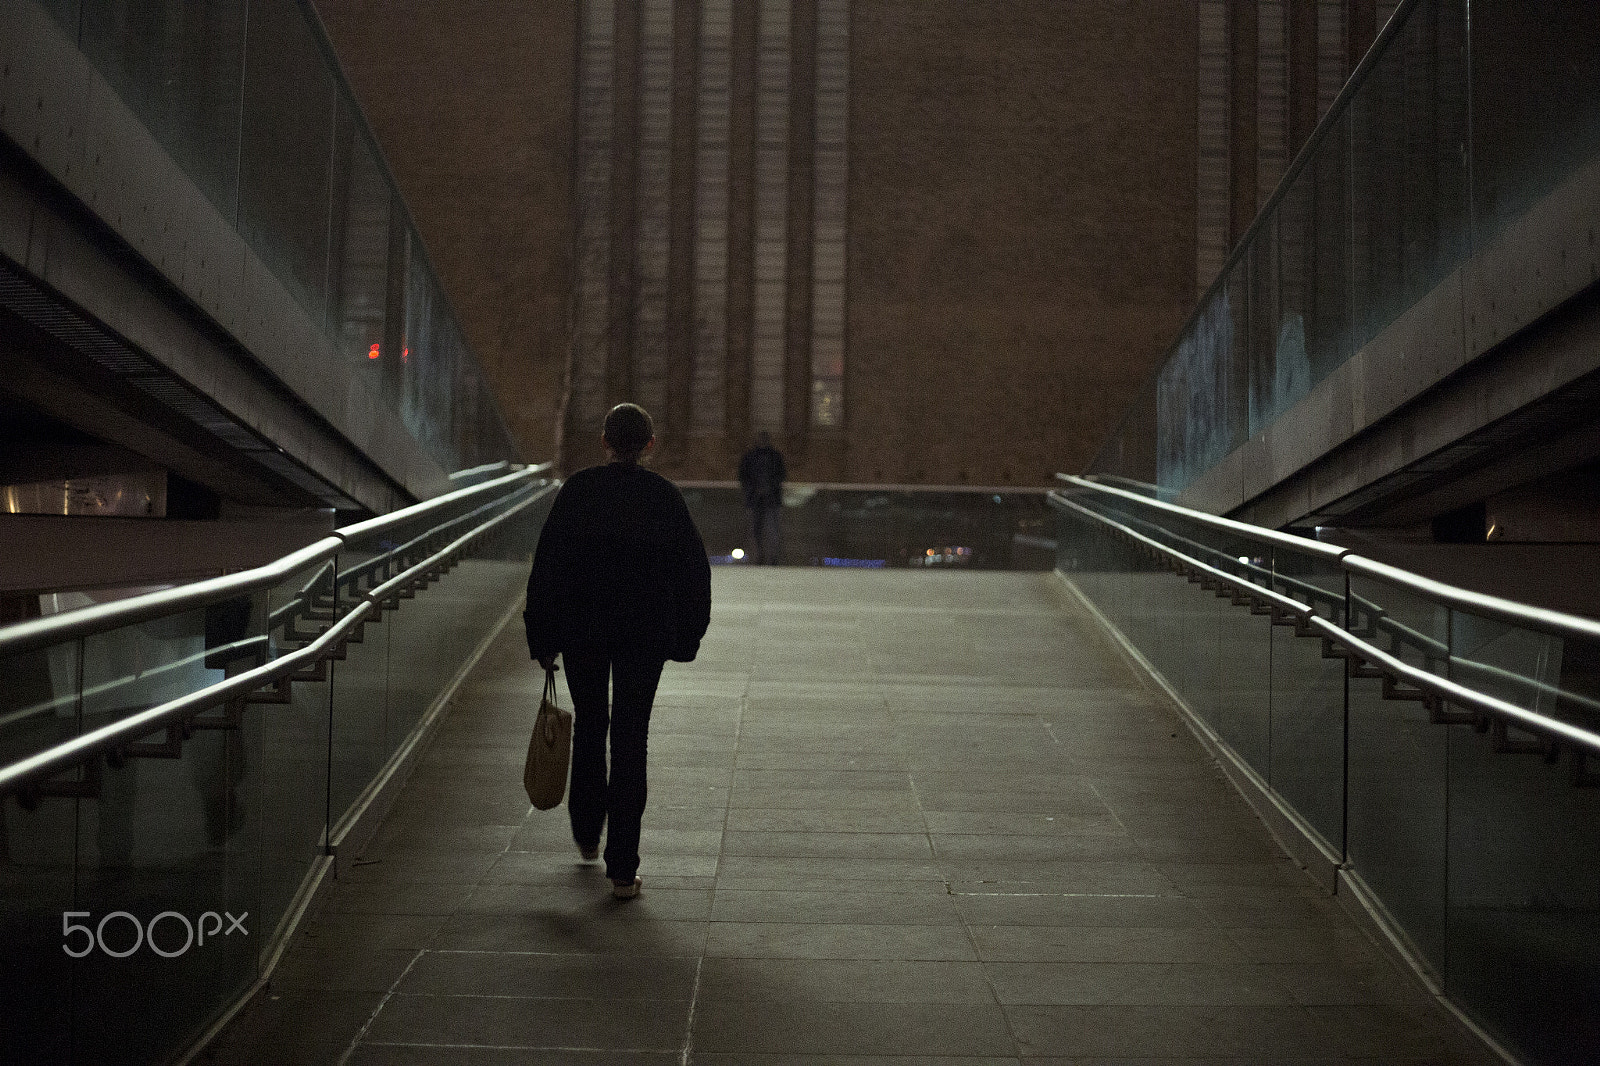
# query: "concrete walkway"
896,818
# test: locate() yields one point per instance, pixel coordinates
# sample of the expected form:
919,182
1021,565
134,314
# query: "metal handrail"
1508,611
1267,574
477,471
238,648
1224,525
352,577
116,735
1542,619
1459,694
300,601
383,523
38,633
45,764
1309,621
1250,588
296,606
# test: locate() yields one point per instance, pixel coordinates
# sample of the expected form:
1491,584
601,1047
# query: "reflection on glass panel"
244,99
1524,918
1408,152
167,831
356,746
1513,664
163,844
284,159
1265,341
1479,843
418,336
39,704
1397,775
1242,714
1280,370
38,709
168,840
361,246
36,889
1130,451
132,669
1322,260
1535,118
178,66
1524,904
1193,420
1308,699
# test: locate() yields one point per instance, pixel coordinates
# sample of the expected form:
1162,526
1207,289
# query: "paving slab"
895,819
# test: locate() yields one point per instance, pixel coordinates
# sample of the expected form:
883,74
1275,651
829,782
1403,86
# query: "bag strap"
548,721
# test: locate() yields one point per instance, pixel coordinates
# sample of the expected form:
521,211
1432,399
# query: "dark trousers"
766,534
593,801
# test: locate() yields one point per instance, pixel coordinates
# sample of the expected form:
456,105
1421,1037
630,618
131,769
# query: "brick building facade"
921,241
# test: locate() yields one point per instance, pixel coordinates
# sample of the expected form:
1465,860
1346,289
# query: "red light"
404,353
372,353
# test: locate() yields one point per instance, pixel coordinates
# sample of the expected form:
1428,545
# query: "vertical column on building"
708,404
1361,28
1272,84
1304,84
741,218
829,174
1332,53
592,313
769,315
652,242
678,411
801,193
1213,70
624,203
711,185
1383,11
1242,30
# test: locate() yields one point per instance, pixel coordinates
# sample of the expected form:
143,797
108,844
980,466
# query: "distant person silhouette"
620,584
761,476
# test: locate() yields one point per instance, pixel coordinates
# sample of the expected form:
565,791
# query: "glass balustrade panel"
171,836
38,709
1398,767
1308,698
1524,845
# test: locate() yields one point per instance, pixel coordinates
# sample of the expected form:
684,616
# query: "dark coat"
761,475
620,568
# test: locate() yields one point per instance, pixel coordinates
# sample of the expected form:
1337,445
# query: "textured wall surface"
1021,231
472,102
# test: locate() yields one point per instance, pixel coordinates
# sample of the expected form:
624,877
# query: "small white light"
1245,559
738,553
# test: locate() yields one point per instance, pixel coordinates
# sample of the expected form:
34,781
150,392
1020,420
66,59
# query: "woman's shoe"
589,854
626,889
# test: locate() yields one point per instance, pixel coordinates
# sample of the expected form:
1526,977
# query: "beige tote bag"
549,751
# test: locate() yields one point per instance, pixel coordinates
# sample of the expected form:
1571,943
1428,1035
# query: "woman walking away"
620,584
